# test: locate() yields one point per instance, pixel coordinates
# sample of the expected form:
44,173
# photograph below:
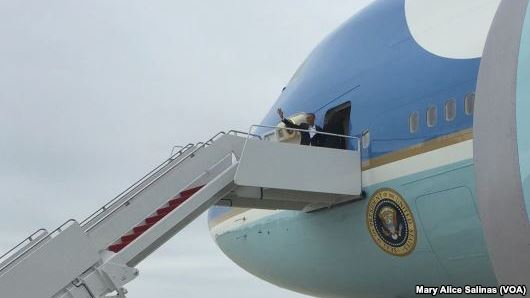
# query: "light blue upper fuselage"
373,61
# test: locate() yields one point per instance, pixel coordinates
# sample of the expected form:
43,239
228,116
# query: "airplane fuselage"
410,76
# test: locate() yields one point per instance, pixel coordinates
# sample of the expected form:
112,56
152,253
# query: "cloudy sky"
95,93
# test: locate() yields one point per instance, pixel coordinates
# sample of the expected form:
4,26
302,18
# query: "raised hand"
280,113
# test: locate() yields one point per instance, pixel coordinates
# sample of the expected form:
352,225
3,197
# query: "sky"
95,93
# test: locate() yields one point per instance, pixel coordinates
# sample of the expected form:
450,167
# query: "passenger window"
365,140
469,103
450,110
432,116
414,120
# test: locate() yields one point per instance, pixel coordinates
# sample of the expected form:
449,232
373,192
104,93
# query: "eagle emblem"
390,222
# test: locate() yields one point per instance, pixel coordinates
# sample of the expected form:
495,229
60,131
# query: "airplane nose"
502,142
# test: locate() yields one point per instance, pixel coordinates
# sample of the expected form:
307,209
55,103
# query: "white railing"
32,241
198,147
135,184
276,128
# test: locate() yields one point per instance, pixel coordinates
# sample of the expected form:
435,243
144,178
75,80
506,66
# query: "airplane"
440,146
425,189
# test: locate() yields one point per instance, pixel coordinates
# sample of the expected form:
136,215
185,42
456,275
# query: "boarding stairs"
97,257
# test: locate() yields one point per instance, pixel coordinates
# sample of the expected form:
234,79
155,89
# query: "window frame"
469,110
414,115
450,101
428,118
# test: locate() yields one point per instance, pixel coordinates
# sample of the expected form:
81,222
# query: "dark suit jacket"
316,140
335,127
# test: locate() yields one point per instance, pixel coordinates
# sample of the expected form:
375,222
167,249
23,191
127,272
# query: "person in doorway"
309,133
334,126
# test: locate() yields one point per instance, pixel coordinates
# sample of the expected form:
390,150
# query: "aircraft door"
337,121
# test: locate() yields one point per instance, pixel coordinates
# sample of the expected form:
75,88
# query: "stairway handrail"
30,238
306,130
59,229
236,132
198,147
135,184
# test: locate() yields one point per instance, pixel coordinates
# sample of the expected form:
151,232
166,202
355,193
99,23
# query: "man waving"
309,129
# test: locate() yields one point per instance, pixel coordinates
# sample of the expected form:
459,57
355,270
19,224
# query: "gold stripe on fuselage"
431,145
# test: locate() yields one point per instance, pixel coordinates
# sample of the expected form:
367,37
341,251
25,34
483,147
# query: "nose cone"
502,142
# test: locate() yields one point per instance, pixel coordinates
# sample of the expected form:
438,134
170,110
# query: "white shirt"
312,131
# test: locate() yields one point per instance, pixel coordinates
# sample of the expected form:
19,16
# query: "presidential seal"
390,222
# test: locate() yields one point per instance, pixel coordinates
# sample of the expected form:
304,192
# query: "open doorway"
337,121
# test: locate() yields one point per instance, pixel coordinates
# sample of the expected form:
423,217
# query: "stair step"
130,237
142,228
154,219
189,192
150,221
176,201
166,210
118,246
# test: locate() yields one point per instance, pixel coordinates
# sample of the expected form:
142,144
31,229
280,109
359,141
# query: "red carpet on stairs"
153,219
